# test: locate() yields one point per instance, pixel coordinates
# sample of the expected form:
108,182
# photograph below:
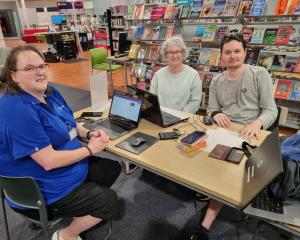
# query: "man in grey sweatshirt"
243,94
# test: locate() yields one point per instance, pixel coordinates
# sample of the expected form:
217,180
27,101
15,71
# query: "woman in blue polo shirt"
38,138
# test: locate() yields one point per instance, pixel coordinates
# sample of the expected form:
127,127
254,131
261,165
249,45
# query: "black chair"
25,192
276,122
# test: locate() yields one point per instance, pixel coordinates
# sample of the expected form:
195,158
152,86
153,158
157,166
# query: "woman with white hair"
177,85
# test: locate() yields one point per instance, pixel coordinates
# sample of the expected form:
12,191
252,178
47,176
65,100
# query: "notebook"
124,115
152,111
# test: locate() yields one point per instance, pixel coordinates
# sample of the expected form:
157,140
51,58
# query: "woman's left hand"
252,129
100,133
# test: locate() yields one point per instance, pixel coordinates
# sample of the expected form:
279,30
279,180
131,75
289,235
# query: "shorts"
93,197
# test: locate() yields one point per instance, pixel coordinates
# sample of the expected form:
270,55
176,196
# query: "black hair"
233,36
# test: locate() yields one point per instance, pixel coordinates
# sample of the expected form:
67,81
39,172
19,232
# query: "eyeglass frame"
174,53
32,68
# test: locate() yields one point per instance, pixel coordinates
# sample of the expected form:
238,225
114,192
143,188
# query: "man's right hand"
222,120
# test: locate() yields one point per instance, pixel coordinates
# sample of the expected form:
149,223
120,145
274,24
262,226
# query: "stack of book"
188,146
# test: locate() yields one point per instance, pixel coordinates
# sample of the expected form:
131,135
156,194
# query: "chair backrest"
276,122
25,192
98,56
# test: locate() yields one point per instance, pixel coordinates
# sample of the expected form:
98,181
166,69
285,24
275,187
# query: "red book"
283,35
158,12
283,89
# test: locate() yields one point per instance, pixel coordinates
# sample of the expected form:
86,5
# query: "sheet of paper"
222,136
179,114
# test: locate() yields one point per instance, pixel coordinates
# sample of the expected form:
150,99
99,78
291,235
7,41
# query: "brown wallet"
230,154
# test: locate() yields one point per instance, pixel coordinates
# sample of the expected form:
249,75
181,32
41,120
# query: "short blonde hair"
175,40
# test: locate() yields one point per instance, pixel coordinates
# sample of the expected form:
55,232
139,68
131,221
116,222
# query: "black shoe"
199,233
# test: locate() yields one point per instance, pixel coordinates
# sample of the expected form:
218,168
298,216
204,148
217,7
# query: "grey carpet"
76,98
154,208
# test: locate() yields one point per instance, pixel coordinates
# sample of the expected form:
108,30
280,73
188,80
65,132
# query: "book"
147,12
139,33
283,35
138,12
169,13
295,37
207,8
185,10
231,7
130,12
177,12
194,56
258,36
134,49
290,63
293,7
252,55
155,33
265,59
162,33
158,12
207,78
270,36
283,89
204,56
257,8
199,32
209,33
218,8
278,62
234,29
222,30
154,52
247,33
295,95
147,35
169,32
177,29
196,9
280,7
245,8
214,57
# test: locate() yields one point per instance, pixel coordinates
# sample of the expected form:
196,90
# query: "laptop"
261,168
124,115
151,110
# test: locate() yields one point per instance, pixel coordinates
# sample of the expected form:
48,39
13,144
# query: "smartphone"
193,137
167,135
235,155
91,114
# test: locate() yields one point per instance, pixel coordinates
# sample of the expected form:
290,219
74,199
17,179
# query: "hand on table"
222,120
252,129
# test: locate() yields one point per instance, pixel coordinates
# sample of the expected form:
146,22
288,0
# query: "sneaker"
58,236
199,233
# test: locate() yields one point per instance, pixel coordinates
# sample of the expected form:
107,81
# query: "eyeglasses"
32,68
174,53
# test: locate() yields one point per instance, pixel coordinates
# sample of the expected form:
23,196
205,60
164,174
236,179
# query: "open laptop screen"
125,107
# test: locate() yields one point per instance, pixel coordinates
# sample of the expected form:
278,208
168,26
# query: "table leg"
125,72
110,75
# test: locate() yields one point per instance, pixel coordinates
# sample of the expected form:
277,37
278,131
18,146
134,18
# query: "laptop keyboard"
268,203
105,124
169,118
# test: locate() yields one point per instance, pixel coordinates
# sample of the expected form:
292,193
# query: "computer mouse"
207,120
137,142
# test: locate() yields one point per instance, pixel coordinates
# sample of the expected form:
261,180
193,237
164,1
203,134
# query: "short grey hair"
175,40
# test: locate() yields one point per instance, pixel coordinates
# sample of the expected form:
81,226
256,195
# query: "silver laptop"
261,168
124,116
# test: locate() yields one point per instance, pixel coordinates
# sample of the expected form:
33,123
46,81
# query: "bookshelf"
276,52
116,24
